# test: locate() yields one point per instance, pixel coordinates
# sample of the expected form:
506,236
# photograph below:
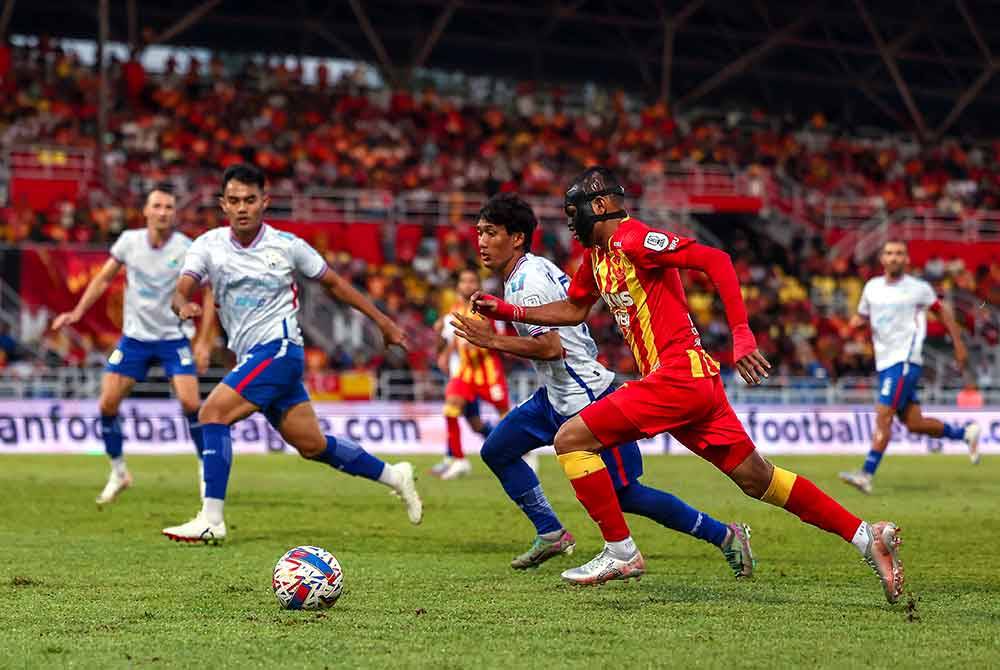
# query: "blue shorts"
133,358
270,376
897,386
534,424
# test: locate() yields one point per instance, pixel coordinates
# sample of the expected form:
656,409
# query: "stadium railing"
26,381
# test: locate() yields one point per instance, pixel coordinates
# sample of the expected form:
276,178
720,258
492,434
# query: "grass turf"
84,588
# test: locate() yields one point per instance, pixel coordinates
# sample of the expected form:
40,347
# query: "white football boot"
605,567
197,530
114,488
862,481
972,433
459,467
407,490
882,556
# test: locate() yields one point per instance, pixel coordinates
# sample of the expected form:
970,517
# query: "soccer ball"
307,578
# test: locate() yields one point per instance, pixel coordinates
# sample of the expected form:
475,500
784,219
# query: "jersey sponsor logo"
532,301
272,258
660,241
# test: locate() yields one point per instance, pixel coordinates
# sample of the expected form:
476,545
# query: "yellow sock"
578,464
780,487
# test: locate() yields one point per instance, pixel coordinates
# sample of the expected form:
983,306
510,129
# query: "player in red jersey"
635,269
477,375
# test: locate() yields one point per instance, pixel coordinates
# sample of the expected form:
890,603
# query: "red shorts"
695,412
495,394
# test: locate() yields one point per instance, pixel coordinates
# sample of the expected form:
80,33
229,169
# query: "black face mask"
581,215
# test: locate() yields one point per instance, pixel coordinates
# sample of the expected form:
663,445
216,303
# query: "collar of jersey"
238,245
521,260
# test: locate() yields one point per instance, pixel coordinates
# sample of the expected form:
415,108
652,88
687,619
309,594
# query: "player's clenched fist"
495,308
190,310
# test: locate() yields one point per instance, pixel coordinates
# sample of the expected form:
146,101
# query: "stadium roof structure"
922,65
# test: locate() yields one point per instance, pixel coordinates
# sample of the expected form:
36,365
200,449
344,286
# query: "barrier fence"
157,427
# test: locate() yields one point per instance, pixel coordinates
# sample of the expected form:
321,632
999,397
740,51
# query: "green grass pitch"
83,588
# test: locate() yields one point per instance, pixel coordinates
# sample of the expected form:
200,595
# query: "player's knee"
569,438
492,452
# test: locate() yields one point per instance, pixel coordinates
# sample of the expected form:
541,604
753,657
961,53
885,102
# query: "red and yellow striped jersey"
477,366
637,277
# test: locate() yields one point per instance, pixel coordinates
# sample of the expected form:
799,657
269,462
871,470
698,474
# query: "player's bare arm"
95,289
947,316
559,313
544,347
208,332
181,303
342,290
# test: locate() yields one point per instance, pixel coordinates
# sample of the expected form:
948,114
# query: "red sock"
810,504
597,495
454,438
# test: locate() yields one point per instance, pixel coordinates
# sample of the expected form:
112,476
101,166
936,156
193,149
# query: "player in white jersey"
251,267
896,304
152,333
565,360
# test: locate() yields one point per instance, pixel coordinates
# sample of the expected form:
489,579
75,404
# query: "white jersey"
151,277
897,312
254,286
577,379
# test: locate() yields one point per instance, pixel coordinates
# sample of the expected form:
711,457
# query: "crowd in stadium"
182,126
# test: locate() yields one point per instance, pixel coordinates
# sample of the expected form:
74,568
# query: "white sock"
118,466
211,510
860,540
391,477
624,550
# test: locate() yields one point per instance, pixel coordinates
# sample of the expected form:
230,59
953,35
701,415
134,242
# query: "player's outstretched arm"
181,302
95,289
544,347
955,331
342,290
559,313
718,265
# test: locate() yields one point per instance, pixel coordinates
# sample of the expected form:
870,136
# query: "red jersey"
638,278
477,366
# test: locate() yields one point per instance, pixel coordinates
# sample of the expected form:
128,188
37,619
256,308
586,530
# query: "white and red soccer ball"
307,578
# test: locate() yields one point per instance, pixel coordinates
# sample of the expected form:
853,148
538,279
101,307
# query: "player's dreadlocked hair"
243,173
513,213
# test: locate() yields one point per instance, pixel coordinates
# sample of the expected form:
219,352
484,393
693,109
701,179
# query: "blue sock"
953,432
217,459
348,456
871,463
522,486
197,434
111,431
670,511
